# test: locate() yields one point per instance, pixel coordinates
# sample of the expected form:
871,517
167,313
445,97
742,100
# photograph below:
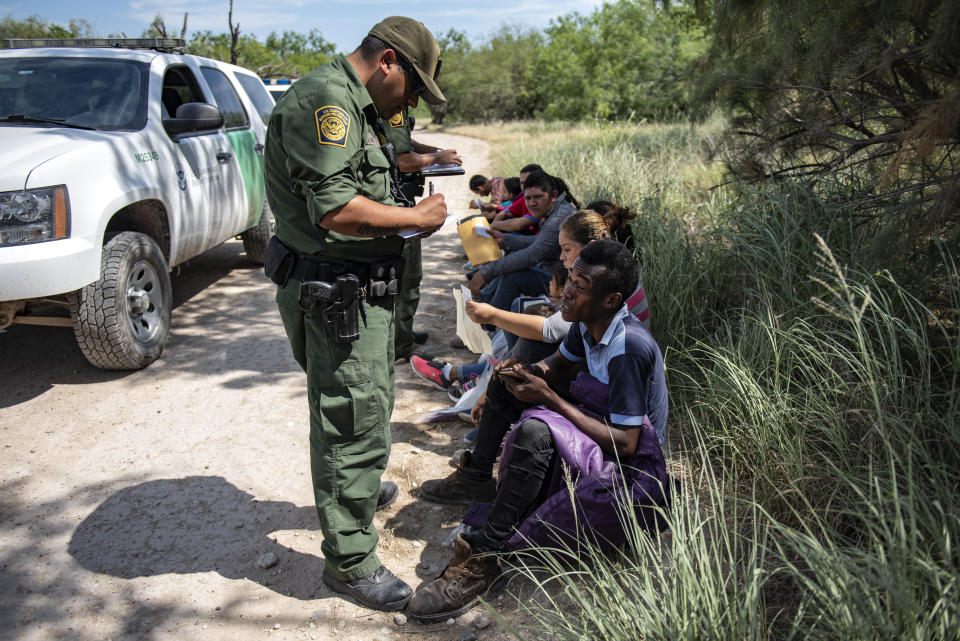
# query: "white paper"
413,233
482,231
466,402
472,335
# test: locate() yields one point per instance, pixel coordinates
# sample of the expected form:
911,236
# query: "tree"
453,44
288,55
488,82
37,27
868,90
627,59
298,53
158,28
234,36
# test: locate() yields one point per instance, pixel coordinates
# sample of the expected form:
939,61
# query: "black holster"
396,188
411,185
340,304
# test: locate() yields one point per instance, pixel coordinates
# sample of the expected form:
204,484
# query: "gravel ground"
175,502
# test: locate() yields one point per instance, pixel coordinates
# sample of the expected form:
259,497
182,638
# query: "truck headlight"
34,215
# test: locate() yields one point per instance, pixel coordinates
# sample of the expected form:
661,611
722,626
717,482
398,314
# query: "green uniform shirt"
397,132
322,150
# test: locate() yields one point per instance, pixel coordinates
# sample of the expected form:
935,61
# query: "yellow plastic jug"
480,247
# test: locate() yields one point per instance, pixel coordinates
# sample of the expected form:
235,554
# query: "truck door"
205,172
246,150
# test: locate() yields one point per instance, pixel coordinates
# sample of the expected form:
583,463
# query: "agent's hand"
480,312
431,212
497,236
448,157
476,284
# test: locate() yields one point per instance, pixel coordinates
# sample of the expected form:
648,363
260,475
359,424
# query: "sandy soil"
135,505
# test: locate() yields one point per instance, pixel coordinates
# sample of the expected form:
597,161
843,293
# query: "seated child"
512,186
445,376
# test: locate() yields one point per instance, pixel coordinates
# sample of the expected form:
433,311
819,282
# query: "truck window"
179,87
234,115
90,92
257,93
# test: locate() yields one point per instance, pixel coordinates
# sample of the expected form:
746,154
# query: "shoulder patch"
333,125
397,121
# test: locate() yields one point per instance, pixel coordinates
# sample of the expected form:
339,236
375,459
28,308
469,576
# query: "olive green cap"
412,40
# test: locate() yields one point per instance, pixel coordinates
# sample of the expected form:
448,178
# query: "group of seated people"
577,389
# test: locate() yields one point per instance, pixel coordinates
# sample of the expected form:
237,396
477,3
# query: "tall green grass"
815,410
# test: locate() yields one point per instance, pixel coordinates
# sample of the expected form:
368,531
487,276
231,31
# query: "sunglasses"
418,85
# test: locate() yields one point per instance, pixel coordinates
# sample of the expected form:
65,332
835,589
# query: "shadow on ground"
197,524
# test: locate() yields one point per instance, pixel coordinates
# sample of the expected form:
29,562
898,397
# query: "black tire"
122,320
256,239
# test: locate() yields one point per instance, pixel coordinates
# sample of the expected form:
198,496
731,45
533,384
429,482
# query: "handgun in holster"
340,304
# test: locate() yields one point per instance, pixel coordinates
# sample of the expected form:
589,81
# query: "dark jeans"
501,291
525,485
527,351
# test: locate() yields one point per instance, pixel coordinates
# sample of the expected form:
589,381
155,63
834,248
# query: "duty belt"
379,278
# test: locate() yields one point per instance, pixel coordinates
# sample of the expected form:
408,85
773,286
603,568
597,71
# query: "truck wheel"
122,320
256,239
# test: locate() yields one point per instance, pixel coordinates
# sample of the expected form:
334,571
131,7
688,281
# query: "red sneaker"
430,371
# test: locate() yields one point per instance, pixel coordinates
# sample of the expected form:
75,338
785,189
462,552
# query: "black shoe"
420,337
463,487
388,494
379,590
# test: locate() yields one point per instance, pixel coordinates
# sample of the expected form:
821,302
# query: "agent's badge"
397,120
333,125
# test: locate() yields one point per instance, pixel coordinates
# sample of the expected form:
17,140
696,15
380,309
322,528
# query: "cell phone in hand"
511,373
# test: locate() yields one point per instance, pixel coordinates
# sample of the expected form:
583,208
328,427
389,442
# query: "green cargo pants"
350,393
409,296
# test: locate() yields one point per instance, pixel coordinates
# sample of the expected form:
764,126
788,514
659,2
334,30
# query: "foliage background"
794,168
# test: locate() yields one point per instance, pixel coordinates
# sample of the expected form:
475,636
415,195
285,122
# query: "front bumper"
47,269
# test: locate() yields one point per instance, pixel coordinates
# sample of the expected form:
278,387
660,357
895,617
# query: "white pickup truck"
120,159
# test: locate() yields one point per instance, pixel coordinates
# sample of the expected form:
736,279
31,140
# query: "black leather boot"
388,494
379,590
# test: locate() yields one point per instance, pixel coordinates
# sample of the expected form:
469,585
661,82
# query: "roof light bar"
159,44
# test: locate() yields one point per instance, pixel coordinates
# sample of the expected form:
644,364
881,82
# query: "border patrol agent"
412,157
331,183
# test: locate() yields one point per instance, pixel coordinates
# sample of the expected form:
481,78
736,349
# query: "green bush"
626,60
814,409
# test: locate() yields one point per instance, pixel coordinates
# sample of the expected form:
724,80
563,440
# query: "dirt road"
135,505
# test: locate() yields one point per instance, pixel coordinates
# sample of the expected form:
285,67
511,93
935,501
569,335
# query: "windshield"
91,92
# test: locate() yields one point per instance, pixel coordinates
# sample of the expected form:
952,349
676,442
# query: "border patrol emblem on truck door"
333,125
397,120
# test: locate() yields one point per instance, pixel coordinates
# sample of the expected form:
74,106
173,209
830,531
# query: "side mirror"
194,116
